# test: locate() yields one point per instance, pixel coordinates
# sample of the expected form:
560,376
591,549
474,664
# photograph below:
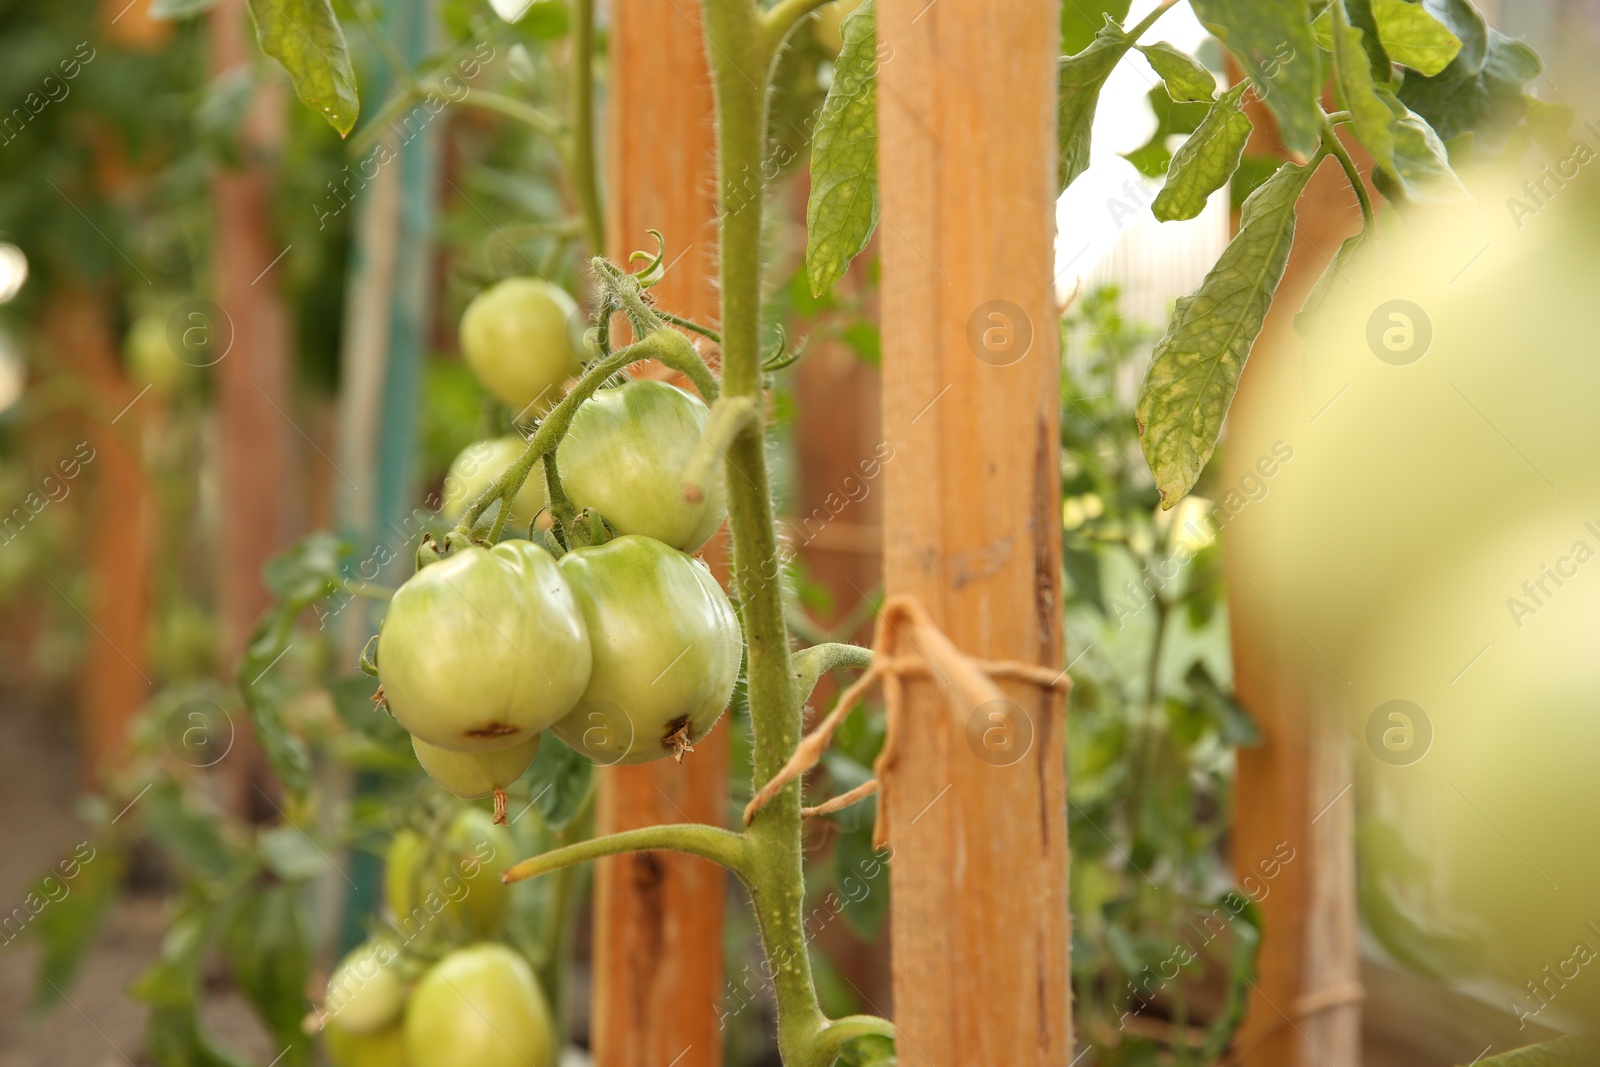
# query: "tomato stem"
743,46
666,345
720,846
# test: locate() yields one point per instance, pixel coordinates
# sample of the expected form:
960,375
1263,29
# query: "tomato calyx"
676,739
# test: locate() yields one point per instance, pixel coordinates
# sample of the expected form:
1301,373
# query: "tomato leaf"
1324,289
1078,85
1480,92
1196,365
1357,91
1205,162
1413,37
1574,1050
1420,170
1186,77
560,780
266,944
1153,157
1272,40
1080,22
69,922
843,209
304,36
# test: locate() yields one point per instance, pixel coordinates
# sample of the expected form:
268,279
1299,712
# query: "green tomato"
480,1005
459,877
386,1048
475,774
477,467
625,454
365,993
666,647
151,360
523,338
484,648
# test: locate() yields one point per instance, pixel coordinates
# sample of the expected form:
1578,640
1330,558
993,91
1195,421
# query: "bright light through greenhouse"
13,271
1106,211
13,372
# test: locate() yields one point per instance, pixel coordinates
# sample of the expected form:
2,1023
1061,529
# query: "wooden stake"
658,916
966,105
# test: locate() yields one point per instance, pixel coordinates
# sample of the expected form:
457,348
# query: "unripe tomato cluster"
627,650
386,1006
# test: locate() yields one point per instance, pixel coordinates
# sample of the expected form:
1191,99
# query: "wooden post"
658,916
1305,1008
254,405
121,529
966,105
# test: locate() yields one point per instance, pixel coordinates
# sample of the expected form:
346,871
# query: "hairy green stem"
1336,148
720,846
810,664
730,417
743,44
785,15
666,345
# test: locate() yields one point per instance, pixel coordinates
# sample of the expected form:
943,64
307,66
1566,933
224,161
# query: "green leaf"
307,570
190,837
1186,77
172,981
1080,22
560,779
1234,725
861,878
305,37
1357,91
1196,365
1333,275
1272,40
1481,91
78,893
1413,37
352,700
289,854
269,643
1574,1050
1205,162
265,942
1172,117
1078,85
173,10
843,209
1421,171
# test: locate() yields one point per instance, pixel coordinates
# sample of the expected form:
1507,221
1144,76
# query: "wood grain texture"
1285,788
972,516
658,917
